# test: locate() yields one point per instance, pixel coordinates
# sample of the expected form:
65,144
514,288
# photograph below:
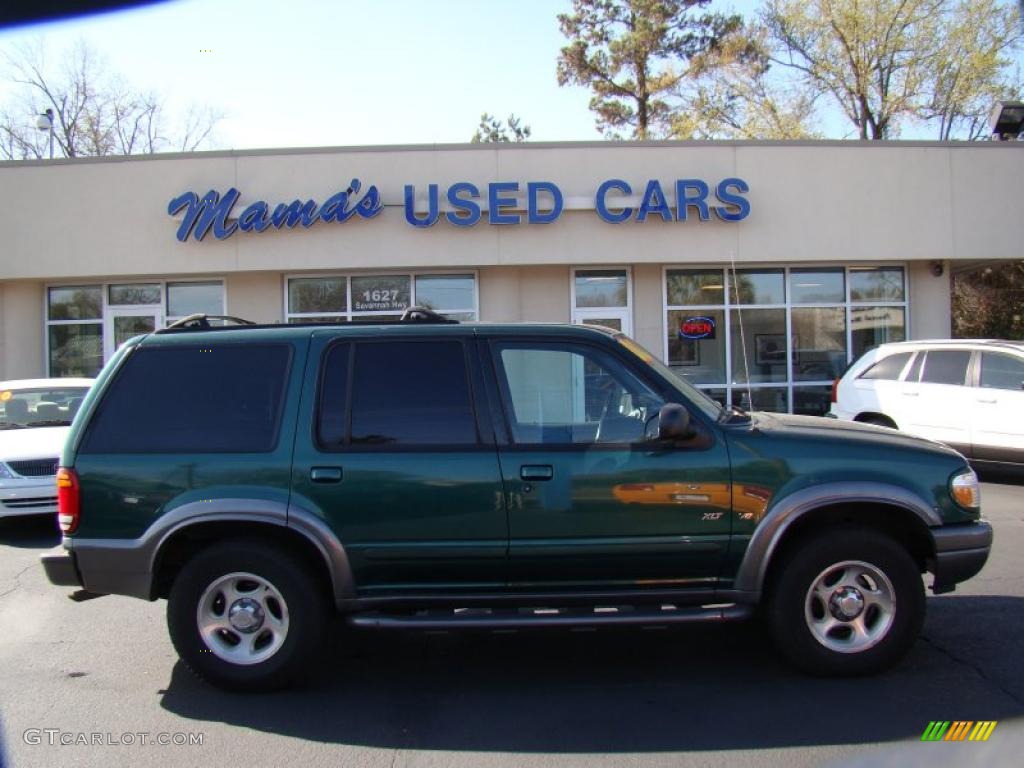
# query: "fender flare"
796,506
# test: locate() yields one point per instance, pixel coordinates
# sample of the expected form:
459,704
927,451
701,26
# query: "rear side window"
403,393
888,368
945,366
1001,371
219,399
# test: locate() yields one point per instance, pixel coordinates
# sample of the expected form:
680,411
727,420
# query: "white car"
35,418
967,394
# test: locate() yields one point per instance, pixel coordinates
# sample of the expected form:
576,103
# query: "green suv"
427,474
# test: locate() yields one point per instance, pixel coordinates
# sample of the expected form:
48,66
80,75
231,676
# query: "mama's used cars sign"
463,205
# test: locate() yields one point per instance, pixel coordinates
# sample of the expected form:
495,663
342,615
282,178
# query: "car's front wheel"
847,602
246,616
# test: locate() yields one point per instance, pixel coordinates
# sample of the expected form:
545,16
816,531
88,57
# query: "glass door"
124,323
603,297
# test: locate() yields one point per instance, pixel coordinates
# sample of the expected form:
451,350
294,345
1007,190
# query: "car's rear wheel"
848,602
245,616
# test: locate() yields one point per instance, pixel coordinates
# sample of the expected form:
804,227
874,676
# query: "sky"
341,72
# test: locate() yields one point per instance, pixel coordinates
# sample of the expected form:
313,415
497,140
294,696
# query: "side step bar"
524,618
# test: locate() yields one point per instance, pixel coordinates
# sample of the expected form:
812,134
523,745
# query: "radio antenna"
739,317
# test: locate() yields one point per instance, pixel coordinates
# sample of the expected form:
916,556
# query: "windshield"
39,406
710,407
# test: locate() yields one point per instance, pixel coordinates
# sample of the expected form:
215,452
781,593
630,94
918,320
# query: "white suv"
967,394
35,418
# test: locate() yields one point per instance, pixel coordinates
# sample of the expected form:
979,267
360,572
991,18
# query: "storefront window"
790,331
698,360
758,286
318,294
601,288
184,299
695,287
76,302
446,292
76,349
378,298
133,294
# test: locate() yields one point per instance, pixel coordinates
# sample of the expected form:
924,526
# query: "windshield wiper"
12,425
51,423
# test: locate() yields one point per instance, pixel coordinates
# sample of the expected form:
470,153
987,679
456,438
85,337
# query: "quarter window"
1002,371
888,368
220,399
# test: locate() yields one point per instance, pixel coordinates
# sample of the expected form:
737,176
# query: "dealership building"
756,270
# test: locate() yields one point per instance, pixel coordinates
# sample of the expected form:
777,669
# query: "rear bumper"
960,553
60,568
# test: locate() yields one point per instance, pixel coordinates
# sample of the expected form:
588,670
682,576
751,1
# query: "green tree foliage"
634,54
886,62
732,95
988,303
492,129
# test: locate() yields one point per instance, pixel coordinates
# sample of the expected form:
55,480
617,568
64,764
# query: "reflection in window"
871,326
317,294
145,293
876,284
76,349
699,361
819,343
817,286
695,287
758,286
759,348
812,401
185,299
601,288
79,302
445,292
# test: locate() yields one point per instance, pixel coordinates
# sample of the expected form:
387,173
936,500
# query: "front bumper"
28,496
960,553
60,567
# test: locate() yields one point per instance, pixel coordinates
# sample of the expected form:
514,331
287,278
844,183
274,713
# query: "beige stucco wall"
21,330
538,294
256,296
929,295
827,201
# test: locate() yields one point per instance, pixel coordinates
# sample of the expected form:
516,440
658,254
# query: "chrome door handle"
536,472
325,474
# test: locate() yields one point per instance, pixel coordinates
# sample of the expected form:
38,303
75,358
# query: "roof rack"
424,315
202,322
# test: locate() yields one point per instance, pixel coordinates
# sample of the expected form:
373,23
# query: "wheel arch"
867,417
889,509
301,533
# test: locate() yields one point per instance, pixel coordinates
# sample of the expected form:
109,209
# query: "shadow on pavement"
703,688
30,531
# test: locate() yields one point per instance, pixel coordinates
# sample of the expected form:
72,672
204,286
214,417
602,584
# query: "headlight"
965,489
5,473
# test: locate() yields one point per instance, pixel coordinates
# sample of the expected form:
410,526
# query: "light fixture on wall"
1006,120
938,268
45,123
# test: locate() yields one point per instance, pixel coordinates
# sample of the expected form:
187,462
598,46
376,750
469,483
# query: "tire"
847,602
274,631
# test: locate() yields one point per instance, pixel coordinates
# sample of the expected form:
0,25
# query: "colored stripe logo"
958,730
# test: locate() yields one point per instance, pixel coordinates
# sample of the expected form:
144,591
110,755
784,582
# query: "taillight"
68,500
835,391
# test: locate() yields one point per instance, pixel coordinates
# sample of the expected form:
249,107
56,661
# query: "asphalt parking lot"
104,670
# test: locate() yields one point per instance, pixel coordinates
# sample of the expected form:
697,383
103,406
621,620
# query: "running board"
524,618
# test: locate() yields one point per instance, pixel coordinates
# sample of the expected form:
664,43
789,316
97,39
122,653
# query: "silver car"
35,416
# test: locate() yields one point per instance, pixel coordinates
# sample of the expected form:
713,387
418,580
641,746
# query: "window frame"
477,400
105,317
350,315
729,305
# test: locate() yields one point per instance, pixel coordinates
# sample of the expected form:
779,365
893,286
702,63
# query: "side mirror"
674,423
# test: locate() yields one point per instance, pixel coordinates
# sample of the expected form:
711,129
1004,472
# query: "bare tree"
94,111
